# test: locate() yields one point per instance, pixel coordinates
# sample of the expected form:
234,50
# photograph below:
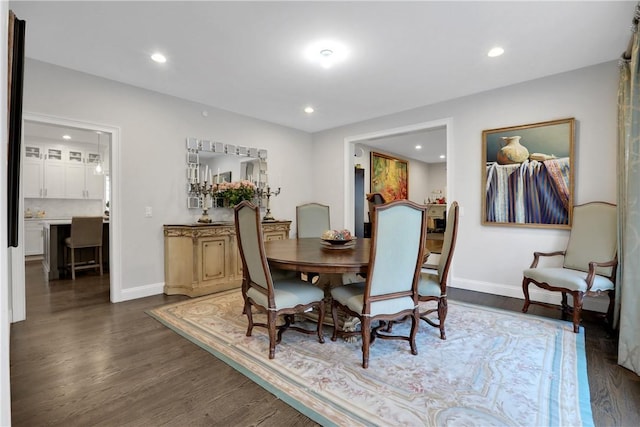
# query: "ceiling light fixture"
326,53
308,110
159,58
496,51
418,147
442,156
66,137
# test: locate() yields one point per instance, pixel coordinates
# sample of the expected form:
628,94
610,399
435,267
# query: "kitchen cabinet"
61,172
33,238
201,259
81,182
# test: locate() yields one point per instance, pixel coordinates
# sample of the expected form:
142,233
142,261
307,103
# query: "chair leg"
366,339
247,311
415,319
525,291
577,310
334,316
443,308
321,309
271,325
100,259
73,263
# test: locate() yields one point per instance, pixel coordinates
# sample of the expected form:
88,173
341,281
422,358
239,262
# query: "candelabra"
267,194
202,190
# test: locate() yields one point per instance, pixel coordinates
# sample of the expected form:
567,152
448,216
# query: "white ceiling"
248,57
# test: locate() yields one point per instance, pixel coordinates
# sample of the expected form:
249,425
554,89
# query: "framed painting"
527,175
389,177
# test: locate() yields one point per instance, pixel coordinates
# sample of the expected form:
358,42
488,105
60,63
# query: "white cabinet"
82,182
61,172
54,180
33,238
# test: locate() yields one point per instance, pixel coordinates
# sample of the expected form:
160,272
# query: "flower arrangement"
236,191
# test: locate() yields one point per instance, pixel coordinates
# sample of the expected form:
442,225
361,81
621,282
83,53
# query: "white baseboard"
537,294
141,292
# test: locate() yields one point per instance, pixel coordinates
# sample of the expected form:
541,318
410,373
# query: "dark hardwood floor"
79,360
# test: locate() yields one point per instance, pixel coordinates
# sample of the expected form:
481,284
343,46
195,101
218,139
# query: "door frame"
18,293
349,150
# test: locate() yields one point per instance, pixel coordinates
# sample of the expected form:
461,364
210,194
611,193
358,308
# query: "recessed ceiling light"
442,156
326,53
418,147
308,110
496,51
66,137
158,57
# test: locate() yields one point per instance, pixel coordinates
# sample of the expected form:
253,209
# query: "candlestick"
267,193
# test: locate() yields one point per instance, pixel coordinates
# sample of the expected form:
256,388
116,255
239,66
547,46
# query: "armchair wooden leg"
577,310
525,291
247,311
415,319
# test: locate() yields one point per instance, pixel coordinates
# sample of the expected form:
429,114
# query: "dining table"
314,255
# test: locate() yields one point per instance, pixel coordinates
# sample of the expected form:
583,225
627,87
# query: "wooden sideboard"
201,259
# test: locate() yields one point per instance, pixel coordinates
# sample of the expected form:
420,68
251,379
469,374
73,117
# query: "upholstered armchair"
589,264
390,291
276,295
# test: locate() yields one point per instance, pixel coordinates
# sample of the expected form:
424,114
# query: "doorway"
386,140
108,135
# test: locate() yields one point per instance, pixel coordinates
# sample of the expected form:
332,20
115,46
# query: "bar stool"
86,232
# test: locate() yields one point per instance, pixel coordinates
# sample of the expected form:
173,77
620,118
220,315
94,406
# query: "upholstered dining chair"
86,232
390,291
433,287
589,262
276,296
312,219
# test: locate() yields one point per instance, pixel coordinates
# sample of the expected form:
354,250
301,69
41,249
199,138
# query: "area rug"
496,368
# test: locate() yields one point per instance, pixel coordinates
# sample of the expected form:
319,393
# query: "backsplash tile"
64,208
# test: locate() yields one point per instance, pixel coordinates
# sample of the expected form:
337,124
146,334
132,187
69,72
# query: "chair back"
86,231
397,250
594,237
449,243
250,242
312,219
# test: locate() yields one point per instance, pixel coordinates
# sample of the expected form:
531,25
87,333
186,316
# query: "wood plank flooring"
79,360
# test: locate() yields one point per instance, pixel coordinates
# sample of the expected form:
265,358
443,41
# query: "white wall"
153,155
491,258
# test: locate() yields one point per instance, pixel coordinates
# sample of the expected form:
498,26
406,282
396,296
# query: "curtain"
628,280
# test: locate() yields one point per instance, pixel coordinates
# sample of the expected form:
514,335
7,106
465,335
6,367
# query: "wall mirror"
216,162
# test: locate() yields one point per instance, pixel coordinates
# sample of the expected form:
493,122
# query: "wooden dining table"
312,255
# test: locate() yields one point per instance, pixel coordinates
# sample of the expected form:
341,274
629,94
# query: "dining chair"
374,199
433,287
589,262
86,232
274,295
390,290
312,219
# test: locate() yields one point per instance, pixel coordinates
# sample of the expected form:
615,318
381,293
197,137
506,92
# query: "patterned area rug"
496,368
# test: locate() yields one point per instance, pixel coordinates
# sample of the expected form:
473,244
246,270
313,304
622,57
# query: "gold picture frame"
528,175
389,177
